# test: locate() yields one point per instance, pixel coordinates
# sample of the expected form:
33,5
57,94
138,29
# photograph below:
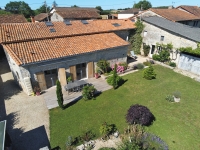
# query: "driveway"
27,116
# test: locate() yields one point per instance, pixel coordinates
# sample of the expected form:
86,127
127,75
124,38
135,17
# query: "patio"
51,98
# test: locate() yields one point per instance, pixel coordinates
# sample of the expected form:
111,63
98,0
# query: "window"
52,30
48,24
145,33
84,21
162,38
159,48
116,24
195,23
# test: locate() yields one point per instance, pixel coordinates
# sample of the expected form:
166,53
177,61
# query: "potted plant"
96,73
177,96
69,79
37,90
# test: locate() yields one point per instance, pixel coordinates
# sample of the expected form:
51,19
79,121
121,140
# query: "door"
81,71
90,69
41,80
152,50
51,76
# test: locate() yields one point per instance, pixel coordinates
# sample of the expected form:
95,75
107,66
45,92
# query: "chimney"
32,19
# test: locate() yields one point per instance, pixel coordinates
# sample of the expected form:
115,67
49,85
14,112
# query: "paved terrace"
51,98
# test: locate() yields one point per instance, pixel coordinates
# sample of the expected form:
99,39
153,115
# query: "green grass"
178,124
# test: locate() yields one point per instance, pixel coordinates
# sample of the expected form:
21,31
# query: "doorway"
152,50
81,71
51,76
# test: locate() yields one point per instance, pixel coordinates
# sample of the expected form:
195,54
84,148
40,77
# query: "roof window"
52,30
116,24
84,21
49,24
67,22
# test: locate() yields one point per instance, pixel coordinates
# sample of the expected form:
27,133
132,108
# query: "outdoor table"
75,84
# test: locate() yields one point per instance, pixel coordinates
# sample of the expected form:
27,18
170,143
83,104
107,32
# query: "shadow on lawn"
121,83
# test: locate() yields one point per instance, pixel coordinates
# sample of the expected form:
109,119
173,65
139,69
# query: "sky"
105,4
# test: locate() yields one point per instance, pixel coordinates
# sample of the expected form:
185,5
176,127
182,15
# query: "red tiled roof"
12,18
41,16
175,14
192,9
47,49
34,31
78,12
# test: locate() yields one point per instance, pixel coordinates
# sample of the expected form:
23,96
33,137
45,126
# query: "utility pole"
173,4
45,4
141,13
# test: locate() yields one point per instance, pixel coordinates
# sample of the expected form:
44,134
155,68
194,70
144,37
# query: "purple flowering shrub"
138,114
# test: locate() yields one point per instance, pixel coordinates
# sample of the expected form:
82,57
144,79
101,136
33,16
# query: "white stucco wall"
154,34
125,16
56,17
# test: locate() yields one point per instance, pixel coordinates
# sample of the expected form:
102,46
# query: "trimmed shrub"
149,73
140,66
140,115
88,92
156,57
59,94
172,64
146,49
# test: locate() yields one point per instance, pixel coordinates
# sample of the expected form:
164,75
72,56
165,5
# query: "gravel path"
27,116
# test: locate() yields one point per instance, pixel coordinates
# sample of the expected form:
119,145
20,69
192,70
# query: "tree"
42,9
144,4
115,77
19,8
2,12
99,8
149,73
59,94
74,6
54,4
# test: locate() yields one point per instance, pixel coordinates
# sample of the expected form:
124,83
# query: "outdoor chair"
133,55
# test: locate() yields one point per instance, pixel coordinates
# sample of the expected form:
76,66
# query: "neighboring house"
195,10
128,13
42,52
74,13
12,18
104,16
174,15
42,17
113,16
162,31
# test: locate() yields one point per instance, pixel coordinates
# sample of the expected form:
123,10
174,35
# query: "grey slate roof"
186,31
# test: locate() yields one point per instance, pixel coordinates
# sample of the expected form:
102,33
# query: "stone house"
42,52
175,15
74,13
42,17
162,31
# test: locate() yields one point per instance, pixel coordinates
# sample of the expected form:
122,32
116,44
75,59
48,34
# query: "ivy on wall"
136,38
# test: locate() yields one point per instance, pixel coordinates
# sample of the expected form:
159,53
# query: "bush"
107,129
164,56
140,115
169,98
153,142
88,92
107,148
146,49
124,64
156,57
177,94
149,73
87,136
59,94
103,65
172,64
140,66
127,145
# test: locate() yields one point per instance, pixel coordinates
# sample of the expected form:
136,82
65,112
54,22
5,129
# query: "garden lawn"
178,124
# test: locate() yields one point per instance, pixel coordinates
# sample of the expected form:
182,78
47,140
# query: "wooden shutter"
73,72
90,69
41,80
62,76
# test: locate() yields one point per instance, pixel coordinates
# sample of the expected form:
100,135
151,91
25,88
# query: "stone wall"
153,36
112,55
56,17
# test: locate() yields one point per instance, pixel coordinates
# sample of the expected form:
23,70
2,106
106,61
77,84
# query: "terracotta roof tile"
47,49
32,31
12,18
175,14
41,16
79,14
192,9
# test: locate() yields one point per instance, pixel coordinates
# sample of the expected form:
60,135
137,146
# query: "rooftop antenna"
45,4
